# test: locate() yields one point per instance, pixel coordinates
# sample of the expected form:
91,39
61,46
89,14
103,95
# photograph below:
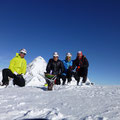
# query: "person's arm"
62,67
86,63
48,68
11,66
70,66
24,67
74,65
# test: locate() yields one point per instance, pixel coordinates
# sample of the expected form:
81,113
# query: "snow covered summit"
37,66
35,72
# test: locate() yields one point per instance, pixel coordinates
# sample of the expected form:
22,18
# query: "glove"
19,76
78,67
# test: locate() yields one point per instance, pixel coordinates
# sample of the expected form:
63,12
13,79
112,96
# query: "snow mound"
35,72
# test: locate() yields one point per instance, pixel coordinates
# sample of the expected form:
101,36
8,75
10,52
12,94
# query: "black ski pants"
68,77
81,73
17,79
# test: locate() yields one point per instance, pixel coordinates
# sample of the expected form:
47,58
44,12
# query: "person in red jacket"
81,64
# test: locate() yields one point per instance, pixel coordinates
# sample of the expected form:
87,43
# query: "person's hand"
78,67
19,76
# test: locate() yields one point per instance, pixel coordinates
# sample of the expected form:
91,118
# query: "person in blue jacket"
67,74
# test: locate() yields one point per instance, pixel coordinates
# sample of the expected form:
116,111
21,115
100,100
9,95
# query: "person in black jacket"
55,67
81,64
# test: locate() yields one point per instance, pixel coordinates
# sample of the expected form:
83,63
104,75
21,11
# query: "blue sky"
45,26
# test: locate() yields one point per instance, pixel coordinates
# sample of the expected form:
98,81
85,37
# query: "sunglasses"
55,56
22,53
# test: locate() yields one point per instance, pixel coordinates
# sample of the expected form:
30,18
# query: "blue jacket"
67,65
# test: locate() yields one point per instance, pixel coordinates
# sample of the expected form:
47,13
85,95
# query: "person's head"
22,53
79,54
55,56
68,56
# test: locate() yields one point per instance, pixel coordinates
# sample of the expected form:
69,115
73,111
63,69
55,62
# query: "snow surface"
63,103
69,102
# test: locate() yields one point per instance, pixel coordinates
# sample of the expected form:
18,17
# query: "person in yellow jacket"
16,70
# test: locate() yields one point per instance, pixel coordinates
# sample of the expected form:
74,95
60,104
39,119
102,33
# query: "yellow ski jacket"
18,64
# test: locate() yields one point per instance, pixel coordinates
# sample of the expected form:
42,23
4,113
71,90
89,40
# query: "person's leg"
69,79
85,72
84,79
77,77
6,73
64,79
69,76
19,80
58,80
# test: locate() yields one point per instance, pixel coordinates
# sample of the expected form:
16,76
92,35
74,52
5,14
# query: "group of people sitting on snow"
62,69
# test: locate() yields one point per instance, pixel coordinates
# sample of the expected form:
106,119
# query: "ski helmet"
79,52
55,54
69,54
23,51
